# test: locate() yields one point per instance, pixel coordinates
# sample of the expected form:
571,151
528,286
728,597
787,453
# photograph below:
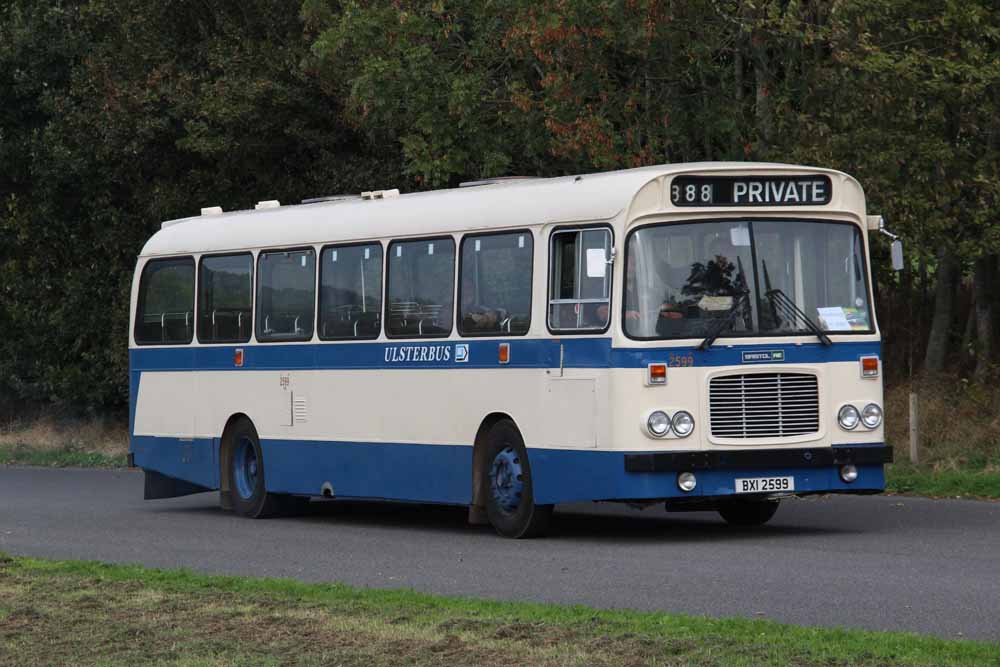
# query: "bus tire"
245,471
748,512
506,479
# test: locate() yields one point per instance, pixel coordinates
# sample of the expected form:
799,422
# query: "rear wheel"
510,498
246,475
748,512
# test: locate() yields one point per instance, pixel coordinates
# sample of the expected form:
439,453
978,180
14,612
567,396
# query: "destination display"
751,191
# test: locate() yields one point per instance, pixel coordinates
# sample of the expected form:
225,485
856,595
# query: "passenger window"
225,295
286,295
580,280
165,314
421,285
495,287
350,297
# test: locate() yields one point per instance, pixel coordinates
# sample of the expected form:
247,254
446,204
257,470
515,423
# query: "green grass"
82,613
928,481
62,457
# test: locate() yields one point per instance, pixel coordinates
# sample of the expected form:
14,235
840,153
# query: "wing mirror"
897,255
877,223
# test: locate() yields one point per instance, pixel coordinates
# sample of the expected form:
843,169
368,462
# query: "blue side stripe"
443,473
524,353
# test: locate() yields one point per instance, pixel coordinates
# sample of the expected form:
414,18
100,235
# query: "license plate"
764,484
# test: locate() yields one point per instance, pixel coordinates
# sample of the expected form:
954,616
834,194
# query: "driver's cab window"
580,280
680,278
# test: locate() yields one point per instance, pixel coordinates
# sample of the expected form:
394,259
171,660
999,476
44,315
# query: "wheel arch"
477,509
225,458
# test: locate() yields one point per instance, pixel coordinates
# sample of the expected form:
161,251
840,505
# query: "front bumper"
562,476
748,459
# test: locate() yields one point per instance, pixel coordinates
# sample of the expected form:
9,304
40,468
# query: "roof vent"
381,194
496,180
329,198
212,210
269,203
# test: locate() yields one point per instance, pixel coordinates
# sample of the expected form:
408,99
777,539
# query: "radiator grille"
764,405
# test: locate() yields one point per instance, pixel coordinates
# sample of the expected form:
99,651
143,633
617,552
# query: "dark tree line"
118,114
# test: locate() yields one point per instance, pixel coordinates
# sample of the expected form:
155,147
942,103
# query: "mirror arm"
883,230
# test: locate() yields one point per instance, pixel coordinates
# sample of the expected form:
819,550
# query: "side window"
421,285
165,314
580,280
350,292
225,295
495,286
286,295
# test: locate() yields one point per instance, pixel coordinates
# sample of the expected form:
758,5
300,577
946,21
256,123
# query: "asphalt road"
886,563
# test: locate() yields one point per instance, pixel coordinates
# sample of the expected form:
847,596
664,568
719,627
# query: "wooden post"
914,428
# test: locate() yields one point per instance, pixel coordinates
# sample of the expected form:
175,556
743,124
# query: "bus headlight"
848,417
848,472
871,415
683,423
686,481
658,424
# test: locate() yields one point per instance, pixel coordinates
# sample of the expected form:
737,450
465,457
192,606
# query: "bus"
700,336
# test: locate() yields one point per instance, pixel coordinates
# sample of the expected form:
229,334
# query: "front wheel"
748,512
510,498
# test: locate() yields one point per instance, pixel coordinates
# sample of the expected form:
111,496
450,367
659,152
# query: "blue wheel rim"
246,467
507,480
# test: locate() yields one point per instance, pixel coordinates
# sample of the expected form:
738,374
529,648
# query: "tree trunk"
969,336
982,283
944,307
763,107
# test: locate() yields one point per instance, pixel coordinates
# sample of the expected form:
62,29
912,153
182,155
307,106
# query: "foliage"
118,115
115,116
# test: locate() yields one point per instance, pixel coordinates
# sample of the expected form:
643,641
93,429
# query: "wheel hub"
245,467
506,480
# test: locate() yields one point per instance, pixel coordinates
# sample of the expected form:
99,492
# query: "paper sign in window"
596,262
833,319
740,236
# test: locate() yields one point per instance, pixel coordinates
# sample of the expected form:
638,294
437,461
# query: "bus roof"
502,204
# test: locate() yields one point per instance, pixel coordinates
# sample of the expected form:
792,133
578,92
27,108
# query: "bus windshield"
745,278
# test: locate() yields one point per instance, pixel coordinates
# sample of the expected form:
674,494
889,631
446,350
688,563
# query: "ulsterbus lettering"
416,353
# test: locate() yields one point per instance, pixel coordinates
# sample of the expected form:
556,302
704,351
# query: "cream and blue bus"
700,336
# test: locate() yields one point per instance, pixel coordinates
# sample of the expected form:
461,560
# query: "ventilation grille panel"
764,405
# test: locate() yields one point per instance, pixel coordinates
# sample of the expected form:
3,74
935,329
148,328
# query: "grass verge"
22,454
928,481
83,613
48,441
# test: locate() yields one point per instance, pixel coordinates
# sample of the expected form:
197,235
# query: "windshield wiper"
780,300
726,322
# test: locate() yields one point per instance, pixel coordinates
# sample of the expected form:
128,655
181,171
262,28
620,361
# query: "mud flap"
160,486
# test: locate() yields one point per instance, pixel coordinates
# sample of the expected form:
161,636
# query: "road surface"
885,563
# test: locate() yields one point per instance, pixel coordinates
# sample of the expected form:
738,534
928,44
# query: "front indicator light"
848,417
849,472
656,374
871,416
658,424
686,481
683,423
